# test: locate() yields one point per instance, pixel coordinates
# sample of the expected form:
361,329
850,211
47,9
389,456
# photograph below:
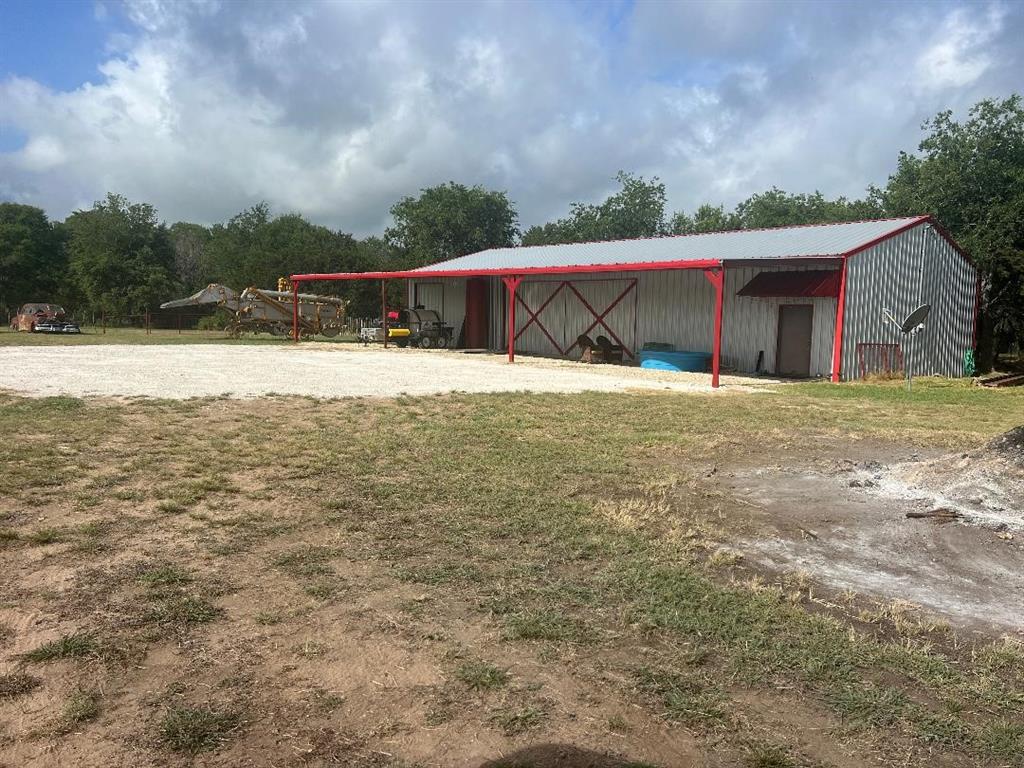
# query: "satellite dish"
915,320
912,326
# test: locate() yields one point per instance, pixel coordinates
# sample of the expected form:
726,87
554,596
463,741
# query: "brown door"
793,355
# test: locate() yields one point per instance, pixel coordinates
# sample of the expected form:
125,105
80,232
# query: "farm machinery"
265,311
414,327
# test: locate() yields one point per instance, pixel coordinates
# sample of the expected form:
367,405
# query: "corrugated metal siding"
755,244
674,306
913,268
446,296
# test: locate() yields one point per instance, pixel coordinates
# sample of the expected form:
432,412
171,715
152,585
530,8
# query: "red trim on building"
645,266
716,276
837,342
882,238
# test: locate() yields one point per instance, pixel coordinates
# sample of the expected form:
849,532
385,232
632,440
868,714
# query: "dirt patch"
845,523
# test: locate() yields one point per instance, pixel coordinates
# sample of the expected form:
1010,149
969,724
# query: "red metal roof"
811,284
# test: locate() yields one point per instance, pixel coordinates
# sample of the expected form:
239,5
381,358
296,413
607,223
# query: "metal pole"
384,311
716,276
511,283
716,359
837,343
295,311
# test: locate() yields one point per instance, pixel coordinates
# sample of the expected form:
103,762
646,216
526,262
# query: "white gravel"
318,370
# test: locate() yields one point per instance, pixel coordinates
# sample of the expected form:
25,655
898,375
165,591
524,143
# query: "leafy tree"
450,220
255,249
776,208
121,256
707,218
970,176
636,210
33,262
189,242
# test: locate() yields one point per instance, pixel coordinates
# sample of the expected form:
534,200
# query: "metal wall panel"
674,306
446,296
899,274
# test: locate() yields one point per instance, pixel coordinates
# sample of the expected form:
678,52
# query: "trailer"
257,310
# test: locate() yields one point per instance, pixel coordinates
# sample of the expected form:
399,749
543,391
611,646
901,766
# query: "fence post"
103,321
179,323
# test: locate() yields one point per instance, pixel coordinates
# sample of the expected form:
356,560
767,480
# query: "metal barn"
792,301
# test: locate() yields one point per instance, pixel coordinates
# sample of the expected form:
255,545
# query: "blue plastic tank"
674,361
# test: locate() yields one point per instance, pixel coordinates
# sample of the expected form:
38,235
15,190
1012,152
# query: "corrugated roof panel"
824,240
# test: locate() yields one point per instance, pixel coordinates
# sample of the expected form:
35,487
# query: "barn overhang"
713,270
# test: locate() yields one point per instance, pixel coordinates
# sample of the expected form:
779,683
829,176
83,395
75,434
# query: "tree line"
119,258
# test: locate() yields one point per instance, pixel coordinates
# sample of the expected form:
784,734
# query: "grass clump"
170,507
183,611
165,576
81,707
870,706
516,721
44,536
1003,739
690,700
307,561
196,729
268,618
481,676
17,684
760,755
544,625
74,646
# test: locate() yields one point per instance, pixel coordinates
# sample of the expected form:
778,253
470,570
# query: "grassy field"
441,581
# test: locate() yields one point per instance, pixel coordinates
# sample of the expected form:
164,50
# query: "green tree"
636,210
33,261
776,208
190,241
121,256
707,218
970,176
450,220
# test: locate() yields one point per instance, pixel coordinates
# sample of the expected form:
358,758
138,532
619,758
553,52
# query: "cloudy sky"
336,110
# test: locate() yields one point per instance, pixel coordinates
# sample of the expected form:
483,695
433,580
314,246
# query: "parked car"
43,318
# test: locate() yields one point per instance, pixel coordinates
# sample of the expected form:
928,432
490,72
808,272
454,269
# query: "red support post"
384,310
511,283
716,276
837,342
295,311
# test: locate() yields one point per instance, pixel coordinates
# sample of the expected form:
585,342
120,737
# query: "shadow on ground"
561,756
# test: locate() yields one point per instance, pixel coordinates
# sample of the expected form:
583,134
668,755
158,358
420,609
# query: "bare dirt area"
942,532
313,370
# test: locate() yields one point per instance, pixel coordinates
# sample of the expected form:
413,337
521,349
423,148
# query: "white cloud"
960,53
338,110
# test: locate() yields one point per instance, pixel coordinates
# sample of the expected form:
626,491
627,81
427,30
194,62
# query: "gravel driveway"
319,370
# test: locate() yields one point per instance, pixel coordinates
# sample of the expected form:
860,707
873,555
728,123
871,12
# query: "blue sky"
58,43
336,110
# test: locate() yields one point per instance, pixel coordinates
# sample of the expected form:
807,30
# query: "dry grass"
353,572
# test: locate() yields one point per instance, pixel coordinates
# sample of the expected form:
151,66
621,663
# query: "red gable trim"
815,283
